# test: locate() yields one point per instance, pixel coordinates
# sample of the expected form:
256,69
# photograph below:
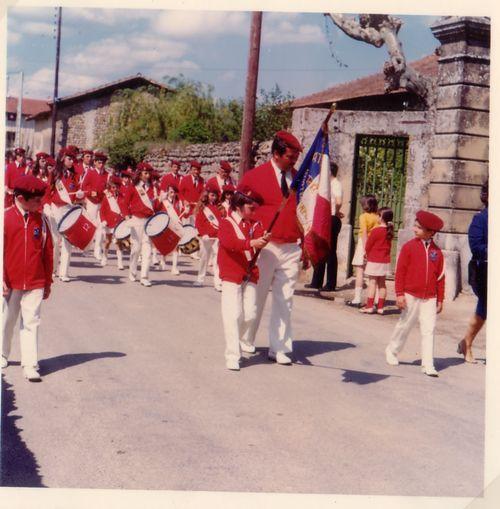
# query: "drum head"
69,219
188,235
122,230
156,224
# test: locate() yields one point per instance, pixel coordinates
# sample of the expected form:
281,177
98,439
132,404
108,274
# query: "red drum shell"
158,229
76,228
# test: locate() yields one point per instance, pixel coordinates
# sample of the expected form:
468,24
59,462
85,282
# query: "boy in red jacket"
419,290
239,236
27,276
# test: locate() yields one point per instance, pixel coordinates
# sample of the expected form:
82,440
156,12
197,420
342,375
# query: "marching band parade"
248,231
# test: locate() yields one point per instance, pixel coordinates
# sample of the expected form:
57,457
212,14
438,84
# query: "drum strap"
211,217
170,208
113,204
143,195
44,230
63,192
240,235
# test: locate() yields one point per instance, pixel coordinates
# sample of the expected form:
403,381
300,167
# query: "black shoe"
328,288
311,286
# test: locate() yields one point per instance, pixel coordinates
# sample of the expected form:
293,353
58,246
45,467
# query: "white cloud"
430,20
32,12
37,28
198,24
228,76
13,37
287,32
107,16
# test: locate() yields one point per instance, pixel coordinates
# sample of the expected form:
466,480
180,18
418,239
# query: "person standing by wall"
478,275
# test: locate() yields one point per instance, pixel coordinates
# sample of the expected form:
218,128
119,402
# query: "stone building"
409,155
83,117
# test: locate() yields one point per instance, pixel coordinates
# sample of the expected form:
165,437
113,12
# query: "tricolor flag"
312,187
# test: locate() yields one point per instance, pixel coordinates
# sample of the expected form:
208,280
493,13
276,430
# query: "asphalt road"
135,394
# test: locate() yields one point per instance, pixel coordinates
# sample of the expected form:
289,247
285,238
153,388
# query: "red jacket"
188,192
12,171
170,179
233,263
27,251
72,186
133,204
378,247
213,182
94,182
111,217
420,270
263,183
204,226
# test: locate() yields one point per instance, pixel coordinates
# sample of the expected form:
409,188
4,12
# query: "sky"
102,45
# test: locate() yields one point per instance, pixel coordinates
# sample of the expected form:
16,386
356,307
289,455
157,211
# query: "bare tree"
380,29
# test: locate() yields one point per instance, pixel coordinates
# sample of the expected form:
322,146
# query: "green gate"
380,169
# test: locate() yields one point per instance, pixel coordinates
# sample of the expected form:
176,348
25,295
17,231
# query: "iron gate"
380,169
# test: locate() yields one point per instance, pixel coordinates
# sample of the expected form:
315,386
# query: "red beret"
429,220
196,164
50,161
116,181
74,148
225,165
98,156
42,155
127,173
19,151
178,163
29,184
212,189
228,187
144,167
68,151
289,139
87,151
155,174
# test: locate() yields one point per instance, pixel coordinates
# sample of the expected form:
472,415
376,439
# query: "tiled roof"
29,106
363,87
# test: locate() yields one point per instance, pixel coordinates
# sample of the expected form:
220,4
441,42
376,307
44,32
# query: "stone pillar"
460,152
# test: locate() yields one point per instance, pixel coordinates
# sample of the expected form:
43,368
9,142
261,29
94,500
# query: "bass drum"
189,242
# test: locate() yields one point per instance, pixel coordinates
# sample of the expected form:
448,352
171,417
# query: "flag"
312,188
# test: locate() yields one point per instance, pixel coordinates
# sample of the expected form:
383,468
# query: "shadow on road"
362,377
179,283
305,348
103,279
441,363
48,366
19,466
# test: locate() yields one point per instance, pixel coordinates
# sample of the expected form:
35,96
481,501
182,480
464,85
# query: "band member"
279,261
127,177
12,172
27,278
172,178
140,203
223,177
239,236
207,221
40,165
86,164
65,191
191,187
112,211
225,200
175,210
93,184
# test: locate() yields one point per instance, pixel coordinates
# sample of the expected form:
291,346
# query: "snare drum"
163,232
189,242
122,230
76,227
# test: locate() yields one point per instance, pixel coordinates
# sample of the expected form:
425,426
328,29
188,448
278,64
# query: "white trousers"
139,243
66,247
175,259
207,247
48,210
425,311
93,214
239,309
279,270
29,303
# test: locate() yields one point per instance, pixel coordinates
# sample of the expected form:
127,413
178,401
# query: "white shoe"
175,272
31,374
145,282
162,266
104,262
64,279
132,278
195,256
121,267
233,365
430,371
198,284
245,347
218,288
390,357
4,362
279,358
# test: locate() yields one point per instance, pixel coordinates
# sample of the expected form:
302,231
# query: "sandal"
380,312
368,311
353,304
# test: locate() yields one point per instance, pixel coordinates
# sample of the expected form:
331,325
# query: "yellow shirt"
367,221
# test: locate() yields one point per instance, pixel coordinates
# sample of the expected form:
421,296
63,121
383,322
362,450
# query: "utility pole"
19,113
56,83
247,128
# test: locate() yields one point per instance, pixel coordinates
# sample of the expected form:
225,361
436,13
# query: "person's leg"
427,319
66,249
332,262
146,248
175,258
358,287
11,308
249,307
267,262
31,303
372,288
283,286
205,251
465,346
215,250
232,316
135,249
404,325
382,294
318,276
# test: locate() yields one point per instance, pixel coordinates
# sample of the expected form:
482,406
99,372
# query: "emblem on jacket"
36,233
433,255
71,185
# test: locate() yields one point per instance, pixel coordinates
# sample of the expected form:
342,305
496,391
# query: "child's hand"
46,292
259,243
6,290
401,302
439,307
267,236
